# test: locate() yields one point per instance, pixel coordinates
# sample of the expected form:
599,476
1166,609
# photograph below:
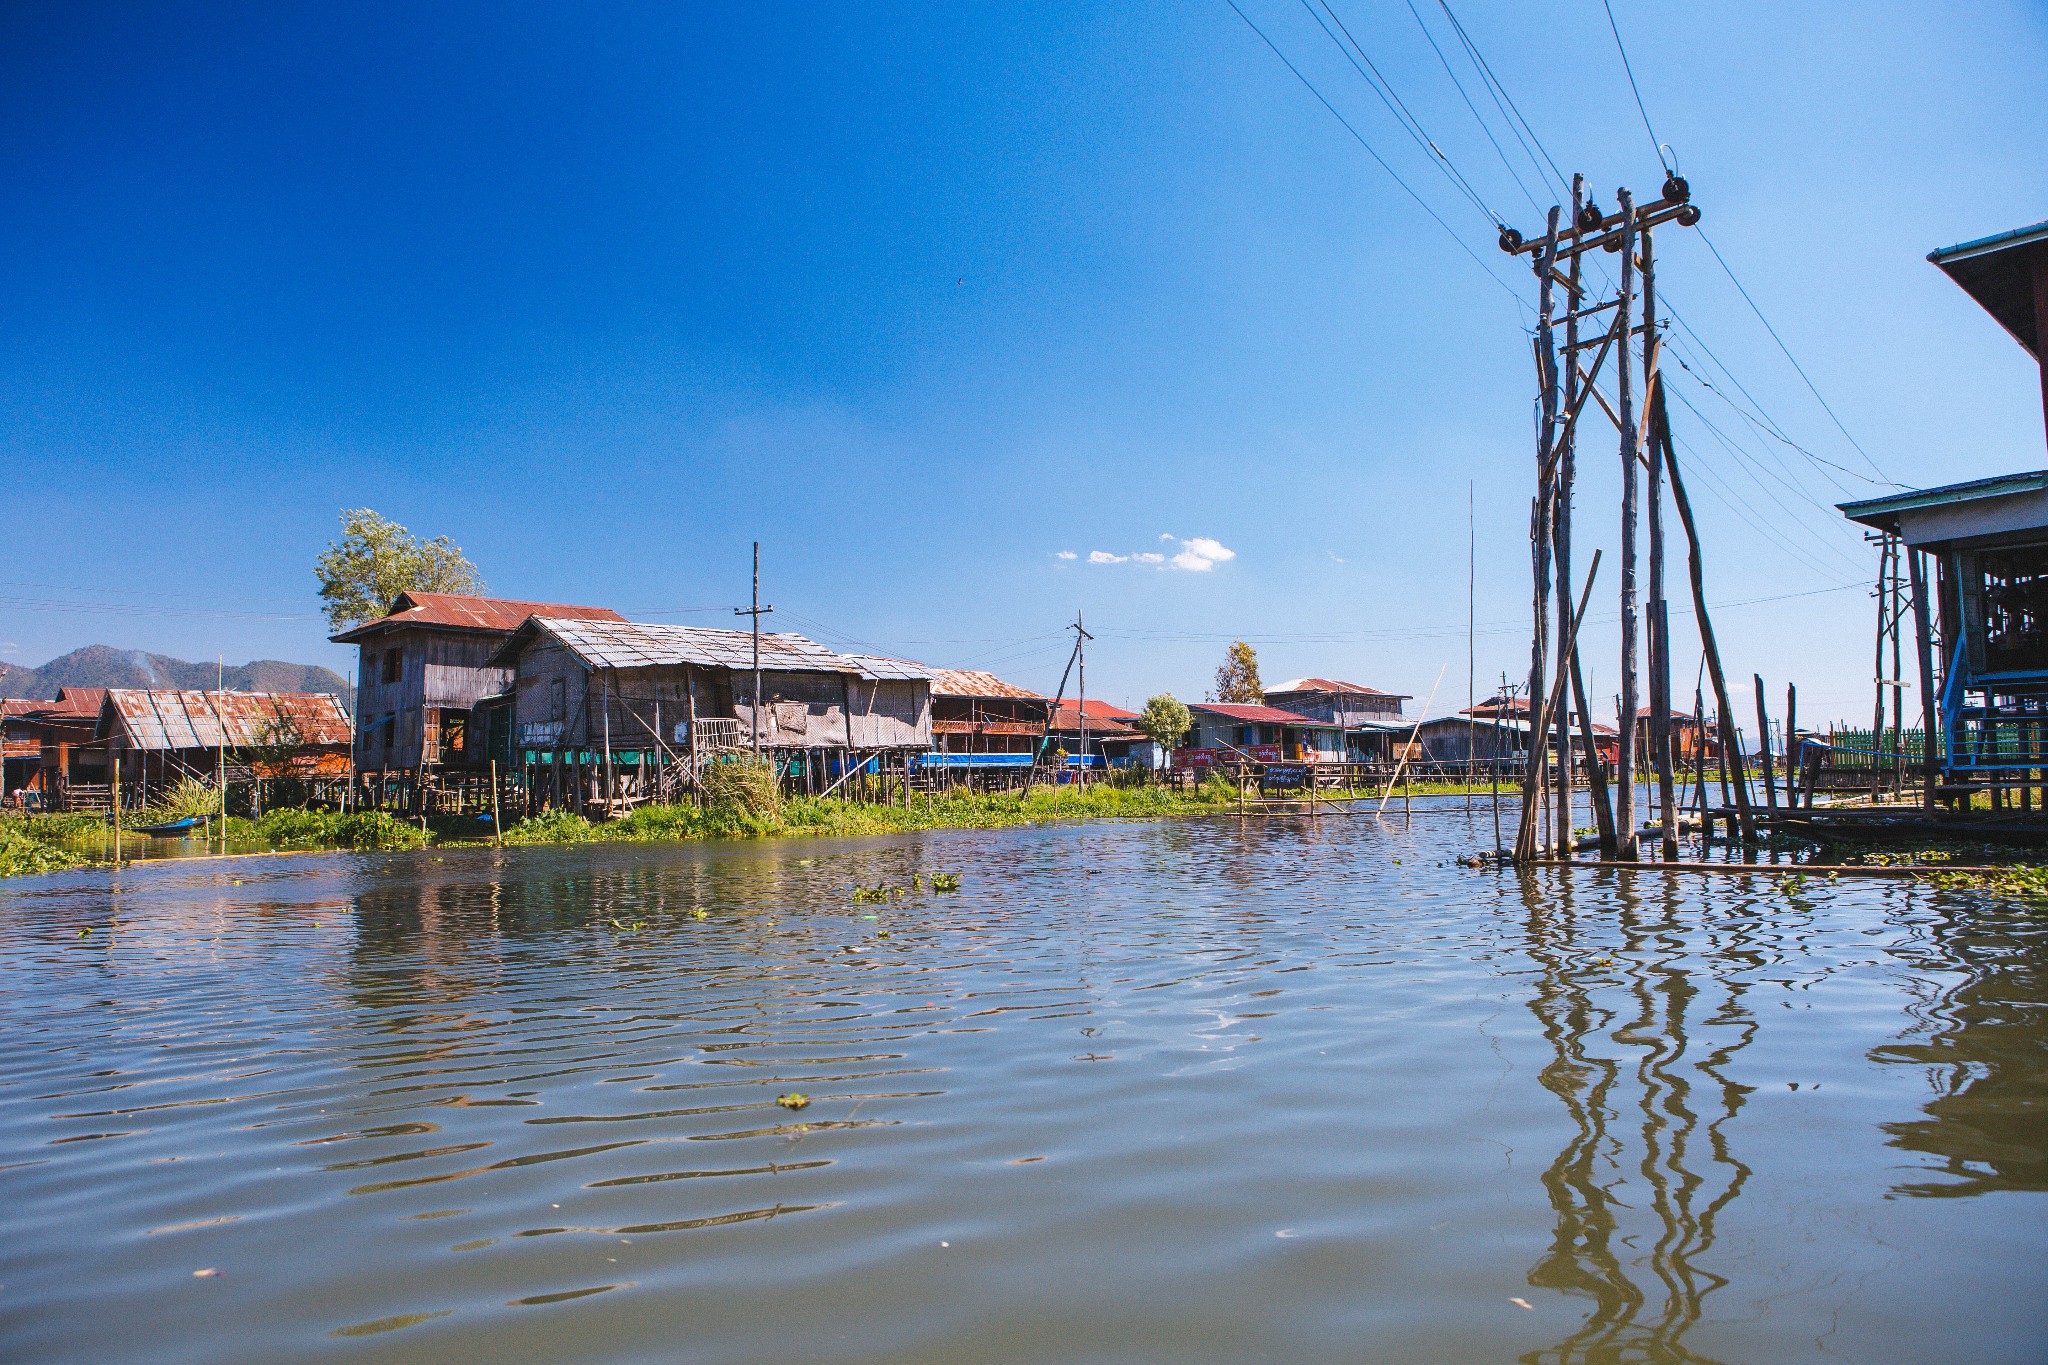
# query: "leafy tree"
1237,678
1165,719
376,559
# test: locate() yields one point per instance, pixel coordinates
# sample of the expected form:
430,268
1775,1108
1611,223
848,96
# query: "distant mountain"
105,666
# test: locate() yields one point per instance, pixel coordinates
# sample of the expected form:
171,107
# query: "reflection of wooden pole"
1525,840
497,825
1731,752
1923,640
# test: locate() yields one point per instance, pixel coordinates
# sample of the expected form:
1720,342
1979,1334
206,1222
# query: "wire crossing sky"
1186,315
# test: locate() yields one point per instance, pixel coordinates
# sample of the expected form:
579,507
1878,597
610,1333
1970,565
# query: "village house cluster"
577,707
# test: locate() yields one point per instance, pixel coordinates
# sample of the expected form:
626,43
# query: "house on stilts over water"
605,713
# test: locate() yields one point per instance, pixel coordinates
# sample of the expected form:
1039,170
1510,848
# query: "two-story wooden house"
425,665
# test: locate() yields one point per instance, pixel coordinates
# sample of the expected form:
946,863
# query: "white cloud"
1196,554
1336,558
1200,554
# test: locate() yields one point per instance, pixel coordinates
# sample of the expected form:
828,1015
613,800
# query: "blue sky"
925,296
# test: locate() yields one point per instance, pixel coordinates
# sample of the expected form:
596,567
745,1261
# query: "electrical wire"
1359,138
1630,71
1484,127
1384,88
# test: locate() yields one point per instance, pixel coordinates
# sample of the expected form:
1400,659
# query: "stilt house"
591,697
1369,718
423,670
980,721
160,735
1982,639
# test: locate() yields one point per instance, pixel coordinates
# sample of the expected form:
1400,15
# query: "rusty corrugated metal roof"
970,682
170,719
1337,685
1067,717
882,668
470,613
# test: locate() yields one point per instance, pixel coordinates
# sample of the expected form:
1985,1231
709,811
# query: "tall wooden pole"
756,618
1884,549
1625,769
1931,757
1565,443
1535,789
1660,616
1763,741
1081,688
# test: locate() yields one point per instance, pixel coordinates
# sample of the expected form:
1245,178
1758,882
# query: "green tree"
1165,720
376,559
1237,678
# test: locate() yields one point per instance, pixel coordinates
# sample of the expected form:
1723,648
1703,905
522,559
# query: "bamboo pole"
1596,775
1525,840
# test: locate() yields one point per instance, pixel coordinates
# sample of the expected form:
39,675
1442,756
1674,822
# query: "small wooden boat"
171,828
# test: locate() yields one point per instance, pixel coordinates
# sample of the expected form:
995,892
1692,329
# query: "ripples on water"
1153,1092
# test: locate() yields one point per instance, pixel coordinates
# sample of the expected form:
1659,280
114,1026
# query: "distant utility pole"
1081,637
757,611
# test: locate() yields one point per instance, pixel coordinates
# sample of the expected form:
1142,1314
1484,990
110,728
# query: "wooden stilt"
1931,758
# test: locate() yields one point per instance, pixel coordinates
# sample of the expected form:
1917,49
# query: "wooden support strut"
1731,751
1924,645
1525,838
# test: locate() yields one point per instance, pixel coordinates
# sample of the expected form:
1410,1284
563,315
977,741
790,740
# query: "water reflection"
1981,997
1643,1007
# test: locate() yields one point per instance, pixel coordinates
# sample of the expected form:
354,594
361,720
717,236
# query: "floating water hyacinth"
793,1100
945,881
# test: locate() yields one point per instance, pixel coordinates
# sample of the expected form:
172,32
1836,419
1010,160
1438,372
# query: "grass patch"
362,829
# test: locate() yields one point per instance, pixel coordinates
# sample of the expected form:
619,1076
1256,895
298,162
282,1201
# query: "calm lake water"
1186,1091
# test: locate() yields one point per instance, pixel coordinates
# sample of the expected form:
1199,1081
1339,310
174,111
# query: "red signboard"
1194,758
1265,753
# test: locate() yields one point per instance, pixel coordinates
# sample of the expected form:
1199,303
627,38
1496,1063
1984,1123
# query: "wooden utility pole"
1763,740
1535,787
1081,637
757,611
1625,775
1564,459
1660,616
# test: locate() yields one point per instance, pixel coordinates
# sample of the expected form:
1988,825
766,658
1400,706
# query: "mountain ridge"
106,666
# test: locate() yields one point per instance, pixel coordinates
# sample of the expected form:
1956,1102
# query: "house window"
454,735
556,699
390,728
394,664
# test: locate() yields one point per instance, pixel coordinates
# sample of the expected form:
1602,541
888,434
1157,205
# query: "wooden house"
593,698
1977,556
980,721
1497,731
1370,718
159,735
423,670
49,748
1226,732
1111,739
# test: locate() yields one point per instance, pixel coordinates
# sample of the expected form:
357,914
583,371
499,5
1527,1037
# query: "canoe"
170,827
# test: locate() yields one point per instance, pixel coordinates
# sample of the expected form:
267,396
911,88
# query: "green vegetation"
1164,720
187,797
363,829
376,559
1237,677
22,852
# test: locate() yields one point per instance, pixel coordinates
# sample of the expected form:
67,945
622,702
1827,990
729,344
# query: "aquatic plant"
22,854
186,797
945,881
363,829
793,1100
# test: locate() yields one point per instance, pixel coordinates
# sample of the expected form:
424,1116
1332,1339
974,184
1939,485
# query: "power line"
1360,139
1500,94
1630,71
1478,118
1804,377
1410,124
